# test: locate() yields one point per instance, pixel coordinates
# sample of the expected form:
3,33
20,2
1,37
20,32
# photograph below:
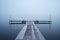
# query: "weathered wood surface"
30,32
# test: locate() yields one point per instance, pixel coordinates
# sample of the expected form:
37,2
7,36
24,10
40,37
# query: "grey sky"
29,9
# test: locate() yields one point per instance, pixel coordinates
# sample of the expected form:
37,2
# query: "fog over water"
29,10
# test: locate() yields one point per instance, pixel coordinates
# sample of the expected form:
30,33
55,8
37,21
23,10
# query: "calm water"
9,32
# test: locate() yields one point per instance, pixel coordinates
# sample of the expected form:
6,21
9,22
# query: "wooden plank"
30,32
21,33
24,22
38,34
33,34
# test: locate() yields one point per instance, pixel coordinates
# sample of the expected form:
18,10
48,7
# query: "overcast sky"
29,9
